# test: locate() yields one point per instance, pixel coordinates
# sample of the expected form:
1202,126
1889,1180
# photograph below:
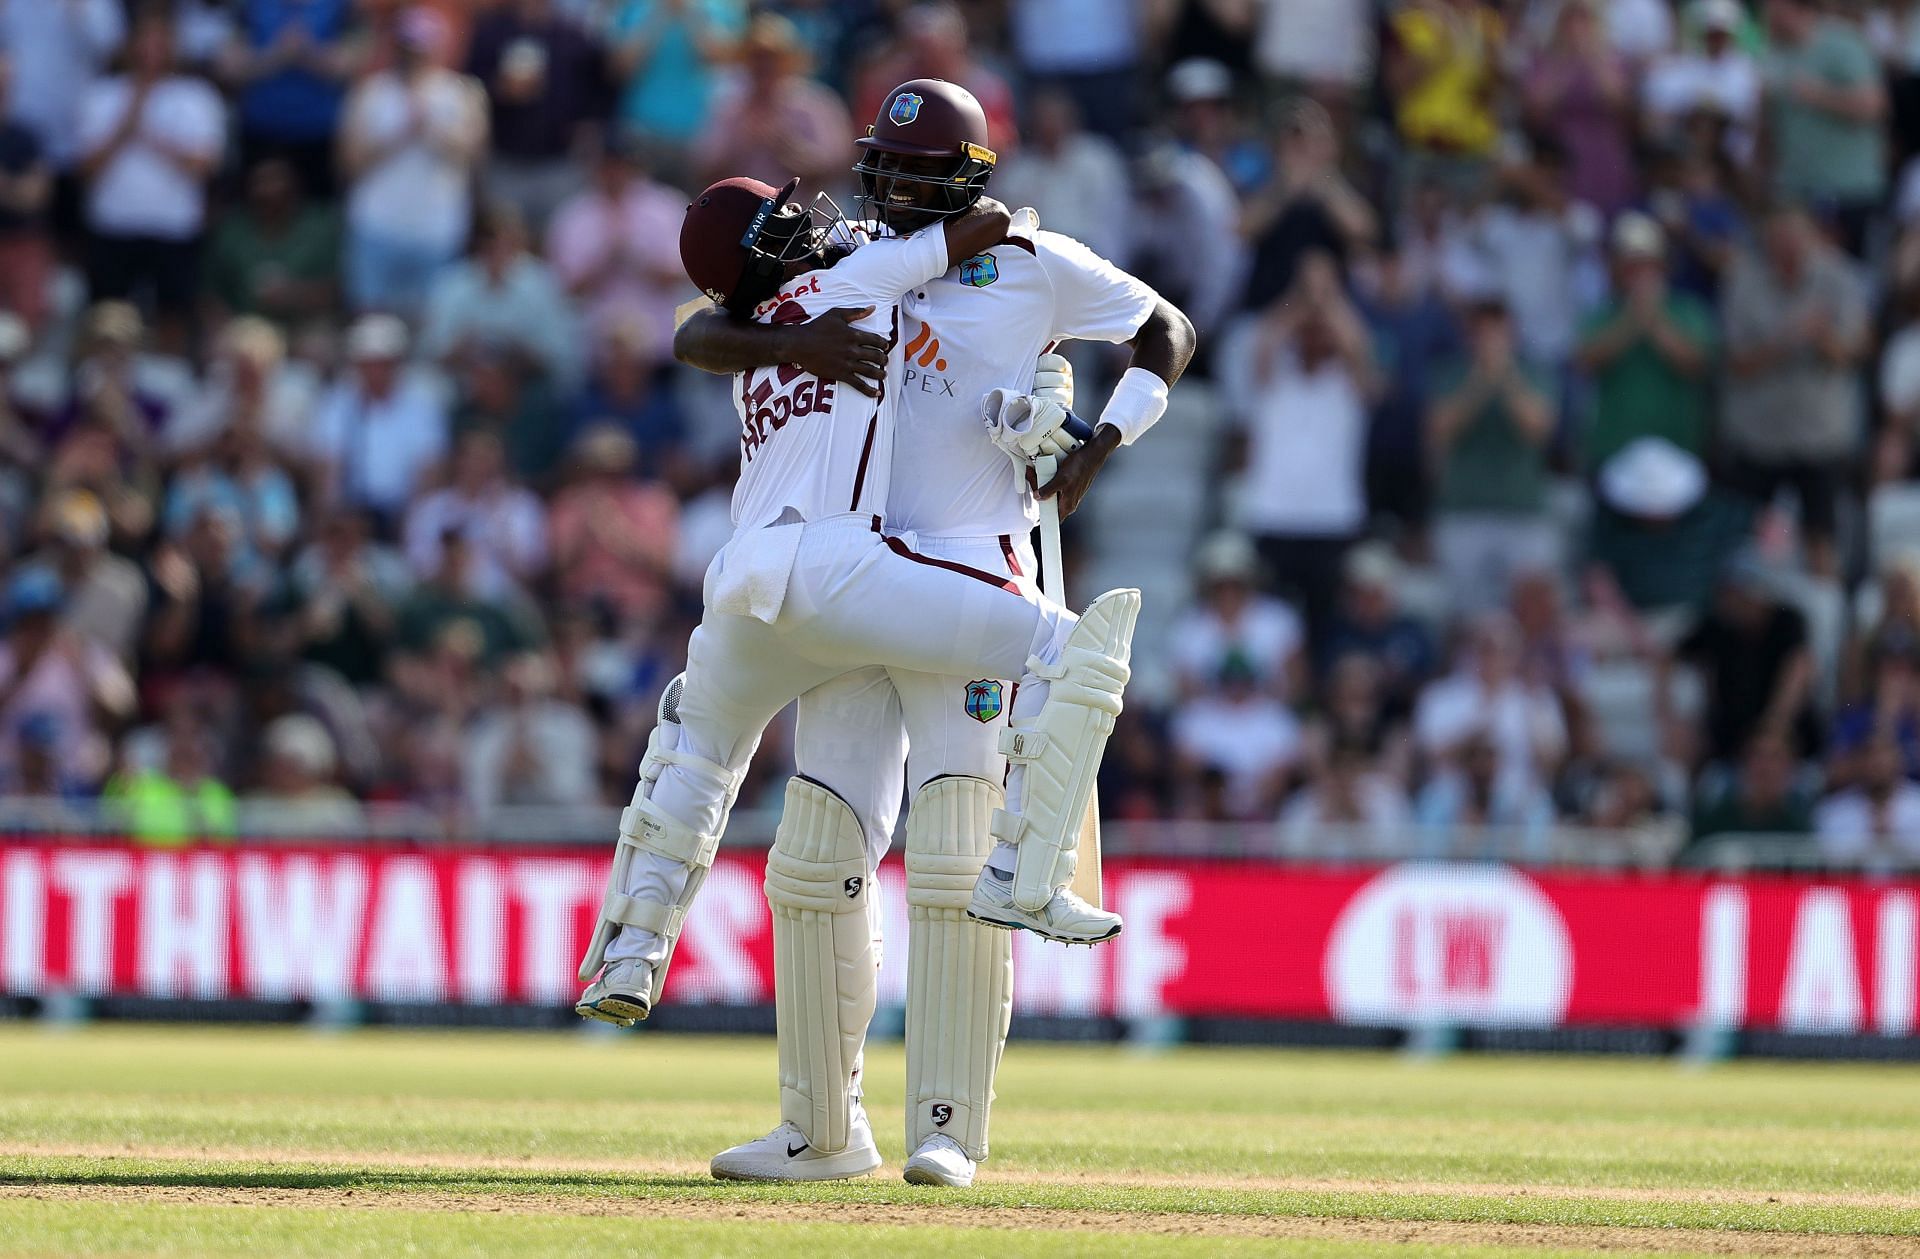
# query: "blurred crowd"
1562,359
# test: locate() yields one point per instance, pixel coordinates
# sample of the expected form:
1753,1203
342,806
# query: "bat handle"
1053,579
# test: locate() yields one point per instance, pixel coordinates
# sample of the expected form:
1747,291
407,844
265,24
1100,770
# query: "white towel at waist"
751,572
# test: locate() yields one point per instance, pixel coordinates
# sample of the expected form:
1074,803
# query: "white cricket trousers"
853,598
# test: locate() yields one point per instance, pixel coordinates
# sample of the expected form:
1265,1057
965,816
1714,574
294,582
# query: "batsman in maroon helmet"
979,327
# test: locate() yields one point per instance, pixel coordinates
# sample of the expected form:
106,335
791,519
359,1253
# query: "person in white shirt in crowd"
1876,823
613,246
1346,791
1089,49
411,139
1072,176
1714,73
1488,696
51,676
1299,379
1473,792
535,748
1231,618
105,593
1237,730
1325,48
503,295
58,48
249,381
381,429
504,524
298,794
150,141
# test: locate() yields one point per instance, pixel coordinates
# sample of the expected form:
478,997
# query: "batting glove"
1053,380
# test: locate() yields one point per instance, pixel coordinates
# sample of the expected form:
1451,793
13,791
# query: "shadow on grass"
452,1180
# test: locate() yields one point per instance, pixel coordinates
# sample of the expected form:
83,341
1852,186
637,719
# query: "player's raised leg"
1054,740
818,884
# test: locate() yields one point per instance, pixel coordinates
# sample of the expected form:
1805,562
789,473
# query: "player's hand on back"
833,349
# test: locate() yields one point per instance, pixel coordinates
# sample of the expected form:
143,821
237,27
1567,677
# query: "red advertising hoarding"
1472,945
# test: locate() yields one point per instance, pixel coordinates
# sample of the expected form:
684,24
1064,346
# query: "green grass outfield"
218,1141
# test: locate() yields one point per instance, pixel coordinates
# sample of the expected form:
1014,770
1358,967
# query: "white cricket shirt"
811,445
977,328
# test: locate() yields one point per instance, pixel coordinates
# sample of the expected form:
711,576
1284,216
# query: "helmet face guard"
779,234
952,190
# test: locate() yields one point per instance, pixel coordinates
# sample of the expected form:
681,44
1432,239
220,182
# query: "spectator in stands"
180,799
1826,105
1354,713
1796,328
442,614
626,389
207,590
1321,48
290,61
149,141
1414,335
1579,90
249,383
1371,624
1206,119
105,594
1877,822
1300,381
543,76
1073,177
1233,621
1534,245
615,246
502,395
504,298
1899,379
1489,426
66,687
1715,73
298,794
238,474
1475,791
933,45
613,534
1889,708
410,142
58,50
504,525
279,257
1648,351
775,121
109,389
1489,697
1442,69
341,594
1237,730
380,430
1182,232
666,53
1345,791
1752,650
535,749
1767,798
1307,208
1661,534
1088,49
1691,194
26,199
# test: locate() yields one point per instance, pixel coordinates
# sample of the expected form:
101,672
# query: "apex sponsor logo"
924,363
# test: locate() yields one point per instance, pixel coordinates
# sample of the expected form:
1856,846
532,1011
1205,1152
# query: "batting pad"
1057,749
959,972
647,828
823,962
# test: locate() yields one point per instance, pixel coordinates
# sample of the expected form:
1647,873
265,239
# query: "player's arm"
830,347
1162,348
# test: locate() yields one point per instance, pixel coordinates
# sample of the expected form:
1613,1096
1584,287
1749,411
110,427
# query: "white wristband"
1138,402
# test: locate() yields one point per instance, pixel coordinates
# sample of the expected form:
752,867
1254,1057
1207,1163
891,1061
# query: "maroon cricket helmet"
938,129
740,235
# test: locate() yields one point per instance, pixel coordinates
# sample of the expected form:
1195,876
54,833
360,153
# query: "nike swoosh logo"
793,1151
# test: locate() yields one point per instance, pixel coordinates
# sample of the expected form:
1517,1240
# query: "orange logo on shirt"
927,346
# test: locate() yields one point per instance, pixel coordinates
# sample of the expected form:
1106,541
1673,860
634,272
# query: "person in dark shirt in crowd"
290,61
1766,798
1752,650
546,89
279,257
26,193
1371,624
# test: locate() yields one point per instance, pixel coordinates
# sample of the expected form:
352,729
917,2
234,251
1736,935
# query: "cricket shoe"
1066,918
940,1161
784,1154
622,996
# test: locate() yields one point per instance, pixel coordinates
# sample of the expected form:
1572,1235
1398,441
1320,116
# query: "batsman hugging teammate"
970,322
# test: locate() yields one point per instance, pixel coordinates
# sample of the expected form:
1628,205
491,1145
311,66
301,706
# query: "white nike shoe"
784,1154
940,1161
1066,918
622,996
